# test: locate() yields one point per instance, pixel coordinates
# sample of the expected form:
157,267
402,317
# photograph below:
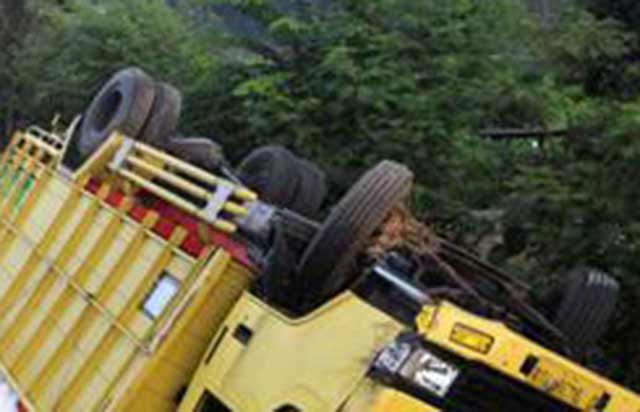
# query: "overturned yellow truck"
134,281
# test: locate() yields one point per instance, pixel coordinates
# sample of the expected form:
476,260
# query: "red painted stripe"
170,217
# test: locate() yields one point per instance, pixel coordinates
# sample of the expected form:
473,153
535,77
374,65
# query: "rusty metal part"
402,230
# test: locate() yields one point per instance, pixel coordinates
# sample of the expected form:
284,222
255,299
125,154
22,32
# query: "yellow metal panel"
325,368
571,382
153,401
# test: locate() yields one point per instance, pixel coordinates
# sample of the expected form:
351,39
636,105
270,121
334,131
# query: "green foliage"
397,79
76,48
581,208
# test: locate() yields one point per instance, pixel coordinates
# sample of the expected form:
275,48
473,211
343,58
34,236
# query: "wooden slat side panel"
180,268
55,193
48,210
78,351
9,317
23,190
107,227
67,309
115,353
31,363
38,182
34,219
62,314
140,257
56,237
37,309
79,273
23,168
125,240
18,255
16,248
90,324
144,262
92,379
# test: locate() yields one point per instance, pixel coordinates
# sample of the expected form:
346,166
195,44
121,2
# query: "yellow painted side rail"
210,198
94,306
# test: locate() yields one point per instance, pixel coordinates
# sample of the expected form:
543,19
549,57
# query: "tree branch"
514,134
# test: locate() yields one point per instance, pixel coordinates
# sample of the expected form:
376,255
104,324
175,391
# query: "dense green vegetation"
348,82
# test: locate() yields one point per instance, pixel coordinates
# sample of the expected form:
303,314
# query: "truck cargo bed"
97,310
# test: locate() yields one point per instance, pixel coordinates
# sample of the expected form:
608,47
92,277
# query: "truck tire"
123,104
165,114
312,190
201,151
587,303
325,268
273,172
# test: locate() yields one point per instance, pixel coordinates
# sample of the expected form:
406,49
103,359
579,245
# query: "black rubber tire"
164,117
273,172
201,151
326,265
312,190
588,301
123,104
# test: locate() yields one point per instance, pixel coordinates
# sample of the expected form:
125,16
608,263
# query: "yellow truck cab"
139,276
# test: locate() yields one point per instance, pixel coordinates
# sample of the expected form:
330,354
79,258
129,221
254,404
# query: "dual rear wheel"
133,103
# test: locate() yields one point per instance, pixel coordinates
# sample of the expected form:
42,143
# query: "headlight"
413,364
